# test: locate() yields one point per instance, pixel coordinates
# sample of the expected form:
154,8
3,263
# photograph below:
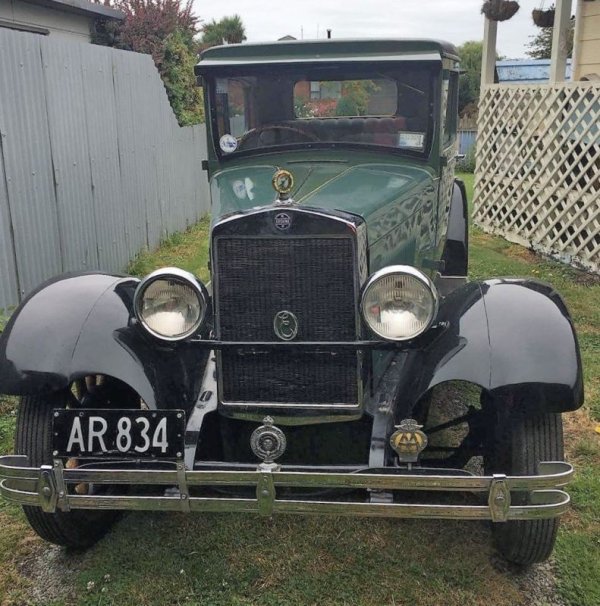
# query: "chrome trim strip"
37,486
300,405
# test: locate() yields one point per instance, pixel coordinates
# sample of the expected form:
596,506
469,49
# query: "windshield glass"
308,107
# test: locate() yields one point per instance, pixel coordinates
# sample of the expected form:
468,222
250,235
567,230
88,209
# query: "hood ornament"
283,183
267,441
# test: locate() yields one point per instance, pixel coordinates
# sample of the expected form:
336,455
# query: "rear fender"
456,249
81,324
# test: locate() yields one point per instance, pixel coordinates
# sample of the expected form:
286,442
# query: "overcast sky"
453,20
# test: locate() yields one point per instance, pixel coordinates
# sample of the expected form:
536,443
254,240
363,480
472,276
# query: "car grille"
314,278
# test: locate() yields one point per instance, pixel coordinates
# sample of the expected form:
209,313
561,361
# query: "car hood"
369,190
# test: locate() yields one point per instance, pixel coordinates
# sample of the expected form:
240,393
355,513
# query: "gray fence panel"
93,165
28,160
142,170
133,211
9,288
150,115
101,125
166,153
70,153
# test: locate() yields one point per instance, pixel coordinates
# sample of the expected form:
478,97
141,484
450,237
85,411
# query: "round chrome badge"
283,221
285,325
267,441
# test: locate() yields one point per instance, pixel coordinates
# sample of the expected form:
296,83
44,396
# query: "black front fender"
499,334
80,324
496,334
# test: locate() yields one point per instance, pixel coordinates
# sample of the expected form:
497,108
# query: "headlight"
399,303
170,304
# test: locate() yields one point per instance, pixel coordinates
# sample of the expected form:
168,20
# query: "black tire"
34,438
519,442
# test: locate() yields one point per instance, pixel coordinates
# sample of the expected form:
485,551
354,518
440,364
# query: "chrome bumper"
46,487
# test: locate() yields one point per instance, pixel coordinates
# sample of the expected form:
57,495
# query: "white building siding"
60,24
587,44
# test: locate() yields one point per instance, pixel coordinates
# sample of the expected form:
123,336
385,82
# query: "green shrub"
467,164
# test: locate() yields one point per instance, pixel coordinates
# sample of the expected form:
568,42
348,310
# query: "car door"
449,149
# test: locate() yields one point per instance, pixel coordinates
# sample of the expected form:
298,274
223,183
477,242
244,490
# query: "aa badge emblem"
408,441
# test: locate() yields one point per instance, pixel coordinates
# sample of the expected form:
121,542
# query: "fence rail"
93,165
537,180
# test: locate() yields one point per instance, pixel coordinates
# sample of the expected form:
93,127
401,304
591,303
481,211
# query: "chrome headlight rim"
404,270
178,275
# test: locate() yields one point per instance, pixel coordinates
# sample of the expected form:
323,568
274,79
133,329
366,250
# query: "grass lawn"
225,559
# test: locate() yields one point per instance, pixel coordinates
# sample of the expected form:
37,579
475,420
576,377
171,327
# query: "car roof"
318,51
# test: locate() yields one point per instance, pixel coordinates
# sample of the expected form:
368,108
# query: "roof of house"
304,51
526,71
81,7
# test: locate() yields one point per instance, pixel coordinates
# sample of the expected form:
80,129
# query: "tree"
229,30
470,61
540,46
355,97
177,72
164,29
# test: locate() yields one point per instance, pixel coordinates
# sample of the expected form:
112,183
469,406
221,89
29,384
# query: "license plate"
118,433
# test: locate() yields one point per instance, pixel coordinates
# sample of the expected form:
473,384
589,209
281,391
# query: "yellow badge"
408,441
283,182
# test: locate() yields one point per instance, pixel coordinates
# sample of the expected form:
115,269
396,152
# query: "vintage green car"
300,379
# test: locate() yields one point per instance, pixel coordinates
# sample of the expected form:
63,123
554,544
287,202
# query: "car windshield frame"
347,71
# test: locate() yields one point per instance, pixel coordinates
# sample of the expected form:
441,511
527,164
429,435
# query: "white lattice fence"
537,180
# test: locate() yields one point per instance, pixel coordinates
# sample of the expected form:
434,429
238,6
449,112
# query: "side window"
450,103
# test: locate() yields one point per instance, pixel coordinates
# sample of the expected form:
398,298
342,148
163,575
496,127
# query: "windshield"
311,107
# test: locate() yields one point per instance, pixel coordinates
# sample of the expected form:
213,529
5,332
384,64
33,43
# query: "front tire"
34,438
519,441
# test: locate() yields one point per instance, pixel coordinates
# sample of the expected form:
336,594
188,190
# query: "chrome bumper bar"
46,487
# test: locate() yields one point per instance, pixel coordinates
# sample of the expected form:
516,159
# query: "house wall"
587,43
59,24
94,167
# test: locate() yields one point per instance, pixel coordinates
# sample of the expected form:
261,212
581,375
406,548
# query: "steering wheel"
257,132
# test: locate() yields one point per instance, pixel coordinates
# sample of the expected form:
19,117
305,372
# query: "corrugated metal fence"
466,140
93,165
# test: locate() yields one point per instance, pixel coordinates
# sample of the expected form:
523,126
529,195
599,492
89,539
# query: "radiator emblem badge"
267,441
285,325
283,221
408,441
